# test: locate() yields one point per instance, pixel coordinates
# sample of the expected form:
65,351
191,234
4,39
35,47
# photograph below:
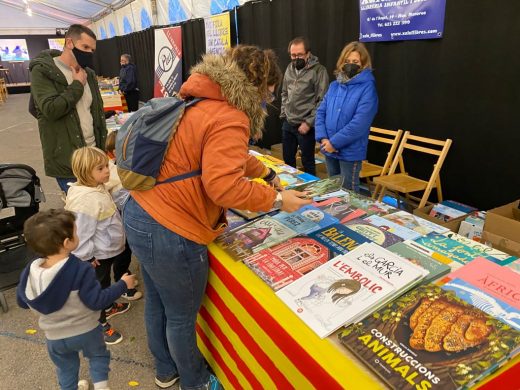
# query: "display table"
253,341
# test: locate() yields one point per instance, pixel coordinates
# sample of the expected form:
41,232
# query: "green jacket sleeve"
52,104
321,86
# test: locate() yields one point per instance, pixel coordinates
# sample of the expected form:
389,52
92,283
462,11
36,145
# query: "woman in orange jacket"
170,226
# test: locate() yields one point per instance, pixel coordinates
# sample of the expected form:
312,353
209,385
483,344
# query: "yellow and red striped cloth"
253,341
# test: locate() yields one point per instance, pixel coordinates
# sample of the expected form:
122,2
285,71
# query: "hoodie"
67,296
98,223
346,114
302,92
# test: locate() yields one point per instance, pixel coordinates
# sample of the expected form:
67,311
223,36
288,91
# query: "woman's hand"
327,146
293,200
276,183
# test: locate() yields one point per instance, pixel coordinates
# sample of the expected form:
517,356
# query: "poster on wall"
13,50
56,43
218,33
168,64
400,20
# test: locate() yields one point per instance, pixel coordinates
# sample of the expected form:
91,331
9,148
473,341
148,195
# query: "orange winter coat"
213,136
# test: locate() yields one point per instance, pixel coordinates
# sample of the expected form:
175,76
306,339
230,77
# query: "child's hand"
129,280
94,263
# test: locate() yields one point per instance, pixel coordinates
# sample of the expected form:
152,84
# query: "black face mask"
299,63
85,59
351,70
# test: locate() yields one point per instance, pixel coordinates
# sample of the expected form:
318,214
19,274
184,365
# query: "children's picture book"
375,234
321,187
413,222
458,206
435,268
441,258
253,237
250,215
449,248
492,254
286,262
369,205
339,238
297,222
515,266
348,287
234,220
334,294
445,213
317,216
392,227
290,180
490,287
340,208
429,338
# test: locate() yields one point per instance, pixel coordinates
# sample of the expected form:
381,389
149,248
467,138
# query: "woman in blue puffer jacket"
344,117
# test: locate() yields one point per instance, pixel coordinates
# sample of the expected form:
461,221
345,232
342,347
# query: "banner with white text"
168,64
400,20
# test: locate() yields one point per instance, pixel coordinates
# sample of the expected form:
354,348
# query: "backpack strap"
184,176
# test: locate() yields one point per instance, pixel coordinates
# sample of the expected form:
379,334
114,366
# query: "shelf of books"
349,293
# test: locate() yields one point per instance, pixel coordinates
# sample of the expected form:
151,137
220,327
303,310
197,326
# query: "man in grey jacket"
304,85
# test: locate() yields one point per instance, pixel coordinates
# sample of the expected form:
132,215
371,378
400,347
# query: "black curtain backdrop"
463,86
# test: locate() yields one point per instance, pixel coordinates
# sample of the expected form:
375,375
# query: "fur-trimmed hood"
220,78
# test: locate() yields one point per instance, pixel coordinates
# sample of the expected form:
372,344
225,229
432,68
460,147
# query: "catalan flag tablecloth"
253,341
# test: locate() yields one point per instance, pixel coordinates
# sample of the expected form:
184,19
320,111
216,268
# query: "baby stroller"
20,197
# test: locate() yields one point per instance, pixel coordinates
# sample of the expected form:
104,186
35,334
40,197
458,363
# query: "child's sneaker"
132,294
166,381
116,309
83,385
111,335
214,383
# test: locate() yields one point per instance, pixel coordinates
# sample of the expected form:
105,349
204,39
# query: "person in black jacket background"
128,82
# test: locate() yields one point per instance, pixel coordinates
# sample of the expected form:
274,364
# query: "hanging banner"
168,64
218,33
399,20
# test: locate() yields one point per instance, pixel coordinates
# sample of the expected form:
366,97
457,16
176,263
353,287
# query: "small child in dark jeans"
64,291
120,195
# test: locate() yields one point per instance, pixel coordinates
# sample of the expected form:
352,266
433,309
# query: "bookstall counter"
253,341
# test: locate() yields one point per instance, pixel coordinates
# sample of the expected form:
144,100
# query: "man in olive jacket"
68,102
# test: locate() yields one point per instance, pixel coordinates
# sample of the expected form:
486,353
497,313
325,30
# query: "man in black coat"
128,82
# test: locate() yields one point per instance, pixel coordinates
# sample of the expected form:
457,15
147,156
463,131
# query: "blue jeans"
175,273
65,355
63,181
348,169
291,139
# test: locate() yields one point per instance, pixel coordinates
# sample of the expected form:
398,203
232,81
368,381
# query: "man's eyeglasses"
295,56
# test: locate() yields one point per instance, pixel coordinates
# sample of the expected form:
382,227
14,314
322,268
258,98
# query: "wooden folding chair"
404,183
368,169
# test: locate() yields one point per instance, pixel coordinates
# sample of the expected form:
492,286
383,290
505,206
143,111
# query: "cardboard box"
453,225
502,228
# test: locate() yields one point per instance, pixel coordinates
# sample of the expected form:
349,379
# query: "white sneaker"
83,385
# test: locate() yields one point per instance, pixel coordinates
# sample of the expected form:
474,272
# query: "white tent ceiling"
49,14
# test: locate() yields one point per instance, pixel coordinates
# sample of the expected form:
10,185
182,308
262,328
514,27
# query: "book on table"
348,287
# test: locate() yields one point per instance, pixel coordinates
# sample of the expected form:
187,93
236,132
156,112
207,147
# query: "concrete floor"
24,363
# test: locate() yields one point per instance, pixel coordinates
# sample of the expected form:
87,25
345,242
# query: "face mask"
351,70
85,59
299,63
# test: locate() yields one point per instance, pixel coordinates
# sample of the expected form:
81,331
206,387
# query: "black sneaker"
166,381
132,295
111,335
116,309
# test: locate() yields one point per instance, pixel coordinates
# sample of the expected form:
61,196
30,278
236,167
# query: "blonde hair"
84,160
366,62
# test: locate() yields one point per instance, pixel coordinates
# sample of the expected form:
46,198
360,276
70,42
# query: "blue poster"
400,20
